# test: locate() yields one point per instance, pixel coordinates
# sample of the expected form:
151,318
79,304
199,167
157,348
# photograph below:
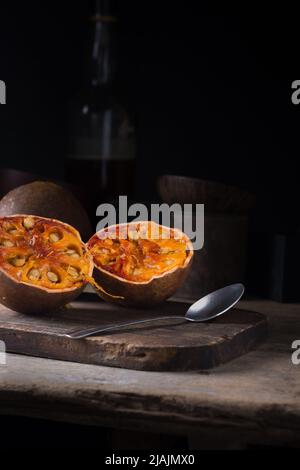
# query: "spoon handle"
83,333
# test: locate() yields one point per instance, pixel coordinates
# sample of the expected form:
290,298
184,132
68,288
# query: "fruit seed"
73,271
55,237
18,261
73,253
12,231
28,223
34,274
52,276
7,243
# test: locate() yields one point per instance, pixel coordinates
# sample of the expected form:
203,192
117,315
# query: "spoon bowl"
215,304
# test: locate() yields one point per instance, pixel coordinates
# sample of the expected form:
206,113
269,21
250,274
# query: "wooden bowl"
217,197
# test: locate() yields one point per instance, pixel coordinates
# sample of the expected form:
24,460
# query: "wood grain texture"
254,399
164,345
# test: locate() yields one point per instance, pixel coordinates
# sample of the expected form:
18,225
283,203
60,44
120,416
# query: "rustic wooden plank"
255,398
246,396
165,345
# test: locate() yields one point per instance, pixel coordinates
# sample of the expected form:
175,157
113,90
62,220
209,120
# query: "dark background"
204,90
210,96
206,94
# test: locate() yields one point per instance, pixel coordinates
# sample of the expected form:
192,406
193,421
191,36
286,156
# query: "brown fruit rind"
47,199
146,293
30,297
25,298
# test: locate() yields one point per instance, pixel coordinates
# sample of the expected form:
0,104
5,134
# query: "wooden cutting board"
165,345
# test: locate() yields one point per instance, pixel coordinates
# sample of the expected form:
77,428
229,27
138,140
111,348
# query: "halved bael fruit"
142,262
43,263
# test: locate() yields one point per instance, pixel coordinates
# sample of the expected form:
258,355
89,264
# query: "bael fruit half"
43,263
142,262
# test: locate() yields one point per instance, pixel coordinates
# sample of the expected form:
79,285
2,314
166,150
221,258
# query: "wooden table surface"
254,399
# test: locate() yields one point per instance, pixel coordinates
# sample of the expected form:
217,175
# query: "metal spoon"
211,306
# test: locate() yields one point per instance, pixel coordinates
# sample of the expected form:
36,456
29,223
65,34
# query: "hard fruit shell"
143,294
26,298
46,199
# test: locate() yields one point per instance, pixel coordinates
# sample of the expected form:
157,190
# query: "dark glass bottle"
101,154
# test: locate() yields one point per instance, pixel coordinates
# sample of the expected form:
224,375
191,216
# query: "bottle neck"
104,45
99,90
102,55
104,8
